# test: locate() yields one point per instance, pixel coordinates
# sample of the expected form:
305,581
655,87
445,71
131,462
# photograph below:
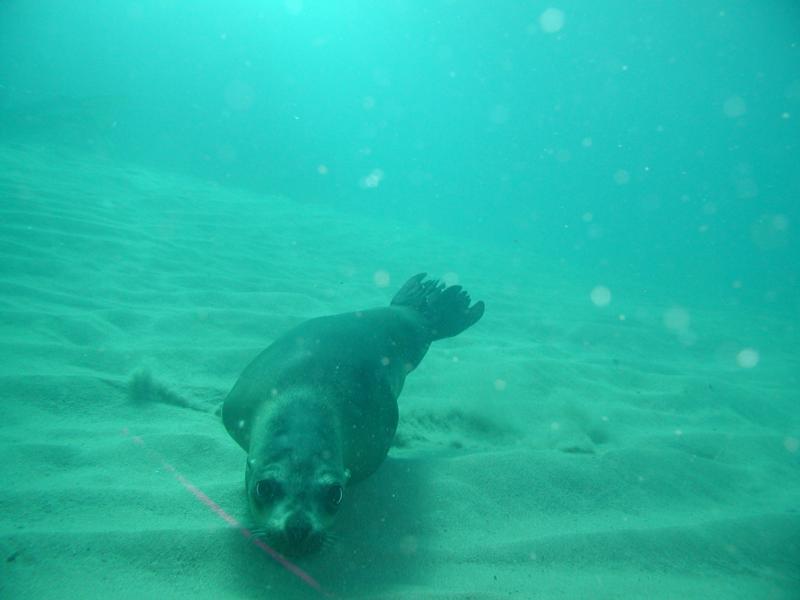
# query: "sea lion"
317,409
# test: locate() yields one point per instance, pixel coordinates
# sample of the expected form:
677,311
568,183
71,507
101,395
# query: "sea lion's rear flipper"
446,311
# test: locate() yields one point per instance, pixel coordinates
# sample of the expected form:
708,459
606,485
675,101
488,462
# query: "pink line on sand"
228,518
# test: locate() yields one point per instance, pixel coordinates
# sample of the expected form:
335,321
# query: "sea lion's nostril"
297,528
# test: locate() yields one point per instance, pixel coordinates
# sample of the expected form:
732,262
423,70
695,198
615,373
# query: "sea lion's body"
358,361
318,407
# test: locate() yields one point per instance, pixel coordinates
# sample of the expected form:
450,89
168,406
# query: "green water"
657,140
617,180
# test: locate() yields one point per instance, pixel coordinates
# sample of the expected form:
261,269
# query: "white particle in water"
735,106
381,279
450,278
747,358
551,20
600,295
676,319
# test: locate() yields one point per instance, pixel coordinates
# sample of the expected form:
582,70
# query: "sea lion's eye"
268,490
335,494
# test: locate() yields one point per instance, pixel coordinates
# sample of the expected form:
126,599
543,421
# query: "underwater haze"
183,181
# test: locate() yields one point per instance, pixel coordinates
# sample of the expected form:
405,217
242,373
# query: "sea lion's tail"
446,310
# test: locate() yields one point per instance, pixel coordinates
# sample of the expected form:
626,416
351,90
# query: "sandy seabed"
557,450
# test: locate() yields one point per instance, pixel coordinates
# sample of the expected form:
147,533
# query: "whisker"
258,532
329,541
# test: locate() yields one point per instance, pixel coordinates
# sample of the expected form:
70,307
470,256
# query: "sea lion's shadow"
380,532
376,544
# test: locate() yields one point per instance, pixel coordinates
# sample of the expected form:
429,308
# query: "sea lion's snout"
298,534
298,528
301,536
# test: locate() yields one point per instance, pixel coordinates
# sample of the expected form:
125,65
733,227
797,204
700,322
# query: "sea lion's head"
295,478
